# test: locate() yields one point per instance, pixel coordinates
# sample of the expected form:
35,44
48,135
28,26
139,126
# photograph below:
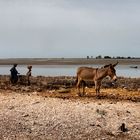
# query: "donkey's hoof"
98,97
79,94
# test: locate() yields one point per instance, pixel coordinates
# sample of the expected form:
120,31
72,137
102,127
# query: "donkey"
96,75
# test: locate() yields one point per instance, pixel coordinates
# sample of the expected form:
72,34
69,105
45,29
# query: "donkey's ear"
107,65
115,64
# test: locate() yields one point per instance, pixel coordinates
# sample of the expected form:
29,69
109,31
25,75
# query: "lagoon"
68,70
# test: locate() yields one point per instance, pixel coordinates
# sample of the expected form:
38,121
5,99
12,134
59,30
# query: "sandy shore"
67,61
29,116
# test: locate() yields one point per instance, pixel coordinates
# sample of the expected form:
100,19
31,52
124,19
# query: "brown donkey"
96,75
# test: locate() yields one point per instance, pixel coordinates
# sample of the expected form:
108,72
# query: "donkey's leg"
97,87
83,86
78,87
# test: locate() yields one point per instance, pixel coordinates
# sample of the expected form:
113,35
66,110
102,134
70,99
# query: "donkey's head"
111,71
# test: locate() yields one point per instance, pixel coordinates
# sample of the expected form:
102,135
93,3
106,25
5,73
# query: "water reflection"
67,70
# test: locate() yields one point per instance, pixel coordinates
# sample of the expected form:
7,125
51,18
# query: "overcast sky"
69,28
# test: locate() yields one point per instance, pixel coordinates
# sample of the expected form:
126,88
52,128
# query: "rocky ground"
32,117
50,109
124,88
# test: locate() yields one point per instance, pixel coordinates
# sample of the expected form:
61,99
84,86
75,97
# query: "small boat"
134,67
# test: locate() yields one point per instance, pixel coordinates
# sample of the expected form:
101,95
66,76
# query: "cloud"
60,28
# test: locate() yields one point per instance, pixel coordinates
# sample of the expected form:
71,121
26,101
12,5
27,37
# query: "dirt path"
32,117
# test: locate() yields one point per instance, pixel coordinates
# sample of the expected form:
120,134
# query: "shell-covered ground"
50,109
62,114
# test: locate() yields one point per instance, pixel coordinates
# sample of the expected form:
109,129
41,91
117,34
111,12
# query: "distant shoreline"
67,61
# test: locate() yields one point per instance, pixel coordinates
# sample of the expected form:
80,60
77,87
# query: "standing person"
14,74
29,74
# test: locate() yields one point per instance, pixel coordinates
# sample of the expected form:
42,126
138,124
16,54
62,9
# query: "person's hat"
29,67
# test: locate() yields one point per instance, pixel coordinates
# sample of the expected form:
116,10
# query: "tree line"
109,57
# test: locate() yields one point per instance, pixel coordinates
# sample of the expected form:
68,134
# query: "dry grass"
112,94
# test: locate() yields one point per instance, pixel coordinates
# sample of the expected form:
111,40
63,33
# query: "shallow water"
67,70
